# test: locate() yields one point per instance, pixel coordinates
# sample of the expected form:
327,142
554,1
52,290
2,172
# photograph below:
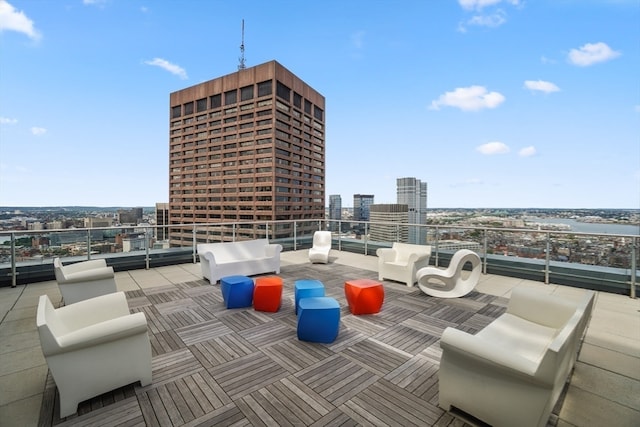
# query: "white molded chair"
449,282
83,280
93,346
402,261
319,253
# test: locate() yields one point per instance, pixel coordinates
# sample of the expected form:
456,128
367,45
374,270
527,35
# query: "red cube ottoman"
267,293
364,296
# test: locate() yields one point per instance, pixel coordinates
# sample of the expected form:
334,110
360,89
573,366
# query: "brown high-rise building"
246,147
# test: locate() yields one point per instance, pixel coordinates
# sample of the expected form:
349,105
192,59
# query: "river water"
589,227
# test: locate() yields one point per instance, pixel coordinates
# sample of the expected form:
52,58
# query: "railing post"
13,261
634,255
88,244
437,242
366,239
193,243
546,260
295,235
339,235
146,245
484,261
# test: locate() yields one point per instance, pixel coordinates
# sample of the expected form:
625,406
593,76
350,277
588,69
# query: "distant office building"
246,147
413,193
130,216
96,222
361,204
162,220
389,223
335,211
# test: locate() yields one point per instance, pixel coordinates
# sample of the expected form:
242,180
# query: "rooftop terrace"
216,366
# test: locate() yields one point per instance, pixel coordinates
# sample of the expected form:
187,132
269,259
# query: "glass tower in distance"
335,212
413,193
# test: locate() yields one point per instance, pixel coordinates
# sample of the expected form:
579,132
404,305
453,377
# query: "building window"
188,108
307,106
230,97
318,113
265,88
201,105
176,112
283,92
297,100
215,101
246,93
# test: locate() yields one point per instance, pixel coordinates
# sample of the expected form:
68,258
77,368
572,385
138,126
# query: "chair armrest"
386,254
415,258
272,249
94,310
209,256
89,275
489,356
103,332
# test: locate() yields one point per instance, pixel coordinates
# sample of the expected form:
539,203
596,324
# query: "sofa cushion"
527,339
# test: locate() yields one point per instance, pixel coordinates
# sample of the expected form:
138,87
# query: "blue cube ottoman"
318,319
306,288
237,291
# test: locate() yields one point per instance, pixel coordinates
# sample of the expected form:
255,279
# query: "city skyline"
492,103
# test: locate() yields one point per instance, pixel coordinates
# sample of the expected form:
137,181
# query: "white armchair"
319,253
92,347
512,372
402,261
83,280
449,282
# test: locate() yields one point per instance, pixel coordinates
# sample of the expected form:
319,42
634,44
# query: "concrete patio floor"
604,388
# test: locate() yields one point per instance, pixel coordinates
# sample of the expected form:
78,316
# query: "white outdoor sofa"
512,372
402,261
93,346
246,258
83,280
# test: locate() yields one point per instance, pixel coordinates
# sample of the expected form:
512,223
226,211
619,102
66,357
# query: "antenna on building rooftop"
241,65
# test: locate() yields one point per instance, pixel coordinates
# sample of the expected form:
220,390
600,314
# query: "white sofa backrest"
49,325
405,250
527,304
235,251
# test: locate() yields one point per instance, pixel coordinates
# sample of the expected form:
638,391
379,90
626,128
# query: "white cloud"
541,85
8,121
94,2
37,131
472,98
480,4
357,39
527,151
12,20
495,147
493,20
592,53
166,65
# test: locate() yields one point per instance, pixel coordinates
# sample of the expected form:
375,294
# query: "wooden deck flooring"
213,366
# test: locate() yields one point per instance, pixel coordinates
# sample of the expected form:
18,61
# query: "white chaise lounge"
319,253
93,346
512,372
402,261
246,258
83,280
450,282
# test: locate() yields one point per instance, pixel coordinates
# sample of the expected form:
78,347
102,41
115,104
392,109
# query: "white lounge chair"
83,280
449,282
319,253
402,261
93,346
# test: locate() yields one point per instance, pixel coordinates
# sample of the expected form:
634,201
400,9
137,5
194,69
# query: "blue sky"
494,103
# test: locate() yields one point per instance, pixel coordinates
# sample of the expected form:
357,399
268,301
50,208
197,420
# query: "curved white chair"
319,253
401,262
449,283
92,347
83,280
